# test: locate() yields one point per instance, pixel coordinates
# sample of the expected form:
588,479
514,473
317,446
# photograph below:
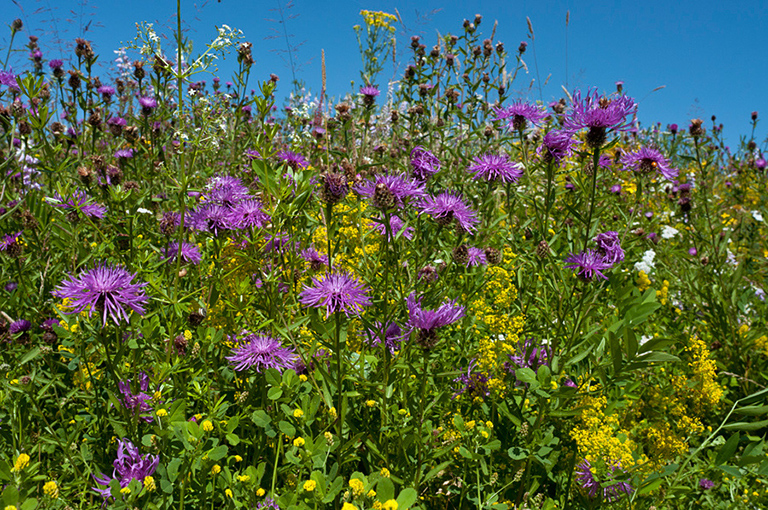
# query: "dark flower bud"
486,78
466,24
17,25
499,47
493,256
488,132
415,41
454,39
435,52
704,260
695,129
477,51
421,50
57,128
85,174
542,250
335,188
74,79
754,116
115,175
131,134
523,46
24,128
478,19
449,58
94,119
452,95
461,255
383,198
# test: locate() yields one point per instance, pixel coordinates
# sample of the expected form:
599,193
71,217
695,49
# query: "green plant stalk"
595,167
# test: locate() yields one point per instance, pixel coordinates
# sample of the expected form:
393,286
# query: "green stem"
595,166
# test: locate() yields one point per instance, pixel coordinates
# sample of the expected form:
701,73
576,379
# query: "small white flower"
143,211
644,339
646,265
668,232
757,216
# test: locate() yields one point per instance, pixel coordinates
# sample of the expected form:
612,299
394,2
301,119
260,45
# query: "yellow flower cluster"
355,242
663,294
379,19
601,439
51,489
357,486
709,392
22,461
762,344
643,282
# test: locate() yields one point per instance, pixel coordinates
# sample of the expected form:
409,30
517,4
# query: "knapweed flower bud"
335,188
74,79
542,250
754,116
493,256
523,46
383,198
695,129
85,174
138,70
17,25
461,255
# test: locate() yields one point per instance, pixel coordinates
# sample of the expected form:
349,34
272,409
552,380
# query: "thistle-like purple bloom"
610,491
369,91
424,163
519,114
386,191
608,245
9,79
496,167
10,243
106,92
472,384
124,153
129,465
189,252
293,159
106,289
226,190
336,292
476,257
315,259
587,265
429,320
396,227
55,63
212,218
261,352
599,114
595,111
137,402
527,355
393,335
446,207
646,160
706,484
147,104
249,214
79,201
19,326
556,146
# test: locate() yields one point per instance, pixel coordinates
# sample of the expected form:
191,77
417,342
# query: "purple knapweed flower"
646,160
213,218
249,214
147,105
427,321
55,63
396,228
609,246
587,265
19,326
106,92
496,167
519,114
706,483
78,201
226,190
105,289
476,257
556,146
11,286
10,244
387,191
293,159
472,384
189,252
423,163
268,504
336,292
129,465
760,163
8,79
610,492
447,207
252,154
392,333
527,355
599,114
137,402
124,154
314,258
261,352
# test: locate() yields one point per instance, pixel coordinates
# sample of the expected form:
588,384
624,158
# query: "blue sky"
711,57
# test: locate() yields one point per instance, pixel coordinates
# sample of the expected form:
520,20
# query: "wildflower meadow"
426,294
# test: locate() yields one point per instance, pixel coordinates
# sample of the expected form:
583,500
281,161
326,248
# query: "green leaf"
728,449
406,498
218,453
233,439
287,429
752,410
386,489
29,504
742,425
173,469
260,418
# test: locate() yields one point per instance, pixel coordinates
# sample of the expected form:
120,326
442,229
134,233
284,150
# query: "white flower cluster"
646,265
668,232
